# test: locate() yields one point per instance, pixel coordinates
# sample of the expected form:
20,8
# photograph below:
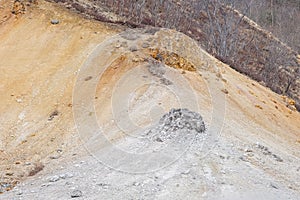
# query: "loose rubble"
181,119
175,120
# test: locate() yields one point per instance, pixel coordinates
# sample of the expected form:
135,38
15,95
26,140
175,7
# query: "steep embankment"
60,82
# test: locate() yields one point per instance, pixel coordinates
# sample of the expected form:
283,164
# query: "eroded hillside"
224,32
59,82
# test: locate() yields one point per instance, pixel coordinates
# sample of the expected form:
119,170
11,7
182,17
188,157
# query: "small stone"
88,78
278,159
54,178
54,21
273,185
19,193
69,175
9,173
59,150
103,185
250,154
63,176
118,45
76,193
243,158
248,150
44,185
52,115
225,91
186,172
69,183
54,157
136,184
135,60
133,48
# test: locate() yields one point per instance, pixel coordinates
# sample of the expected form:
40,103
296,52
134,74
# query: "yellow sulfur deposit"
172,59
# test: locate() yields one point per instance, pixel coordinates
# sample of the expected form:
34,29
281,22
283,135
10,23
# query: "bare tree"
223,25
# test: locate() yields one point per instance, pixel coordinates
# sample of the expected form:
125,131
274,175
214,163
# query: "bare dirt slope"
79,72
39,64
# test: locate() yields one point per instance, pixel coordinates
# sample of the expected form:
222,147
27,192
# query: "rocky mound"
174,133
182,120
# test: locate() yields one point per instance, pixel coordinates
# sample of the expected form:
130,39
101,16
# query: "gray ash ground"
225,172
